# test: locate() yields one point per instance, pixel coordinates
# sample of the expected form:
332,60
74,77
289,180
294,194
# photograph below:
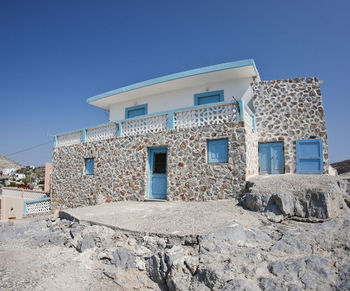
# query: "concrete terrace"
170,218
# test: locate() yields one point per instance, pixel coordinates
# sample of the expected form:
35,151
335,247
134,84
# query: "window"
159,163
135,111
217,150
89,166
209,97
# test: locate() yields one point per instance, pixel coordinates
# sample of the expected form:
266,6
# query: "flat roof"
102,100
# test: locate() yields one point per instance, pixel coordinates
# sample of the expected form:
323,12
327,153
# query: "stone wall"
287,110
121,167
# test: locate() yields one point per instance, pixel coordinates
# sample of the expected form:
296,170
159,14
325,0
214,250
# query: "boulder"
88,242
123,259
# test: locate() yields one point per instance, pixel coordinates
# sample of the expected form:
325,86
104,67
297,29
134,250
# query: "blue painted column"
120,129
171,116
83,139
241,106
254,122
55,143
237,112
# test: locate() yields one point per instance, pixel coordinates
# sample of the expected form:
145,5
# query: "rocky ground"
49,254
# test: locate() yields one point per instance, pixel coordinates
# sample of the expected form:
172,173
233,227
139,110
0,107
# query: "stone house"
195,135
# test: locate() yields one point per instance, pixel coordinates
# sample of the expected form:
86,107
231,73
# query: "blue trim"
199,71
142,106
198,96
254,122
55,141
242,109
33,201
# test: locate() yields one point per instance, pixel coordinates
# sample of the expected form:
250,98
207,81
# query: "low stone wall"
287,110
121,167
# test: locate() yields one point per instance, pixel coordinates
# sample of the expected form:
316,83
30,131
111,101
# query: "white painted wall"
182,97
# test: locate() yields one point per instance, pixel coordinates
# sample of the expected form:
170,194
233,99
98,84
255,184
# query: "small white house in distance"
8,171
194,135
19,176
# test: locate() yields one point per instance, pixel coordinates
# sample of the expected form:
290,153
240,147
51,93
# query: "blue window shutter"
134,111
309,154
209,97
217,151
89,166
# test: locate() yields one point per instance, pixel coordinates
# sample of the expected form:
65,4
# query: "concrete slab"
169,218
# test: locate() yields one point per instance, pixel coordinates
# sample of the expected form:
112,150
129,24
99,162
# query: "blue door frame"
309,156
271,158
157,173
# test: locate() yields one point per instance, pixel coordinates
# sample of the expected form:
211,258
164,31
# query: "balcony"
196,116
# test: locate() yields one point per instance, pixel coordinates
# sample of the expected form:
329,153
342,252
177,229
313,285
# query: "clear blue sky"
55,54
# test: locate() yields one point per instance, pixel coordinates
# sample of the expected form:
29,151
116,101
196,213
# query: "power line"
28,149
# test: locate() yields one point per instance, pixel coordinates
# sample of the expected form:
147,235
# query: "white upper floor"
181,90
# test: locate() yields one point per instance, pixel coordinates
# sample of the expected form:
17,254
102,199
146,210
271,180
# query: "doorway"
157,173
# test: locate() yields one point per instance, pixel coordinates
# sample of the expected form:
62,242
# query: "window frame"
93,166
131,108
198,96
219,161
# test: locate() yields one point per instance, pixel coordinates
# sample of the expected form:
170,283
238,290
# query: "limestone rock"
123,259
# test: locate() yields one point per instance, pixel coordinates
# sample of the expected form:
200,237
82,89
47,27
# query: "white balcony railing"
145,125
102,132
203,116
183,118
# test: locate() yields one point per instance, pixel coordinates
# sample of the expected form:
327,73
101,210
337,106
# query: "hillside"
342,167
6,163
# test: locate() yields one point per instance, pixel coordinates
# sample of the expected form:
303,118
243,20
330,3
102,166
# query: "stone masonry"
287,110
121,167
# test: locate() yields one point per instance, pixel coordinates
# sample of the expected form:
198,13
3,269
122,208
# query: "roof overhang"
197,77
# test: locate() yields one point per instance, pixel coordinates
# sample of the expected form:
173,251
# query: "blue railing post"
55,141
171,116
120,129
83,139
254,122
241,107
24,207
237,111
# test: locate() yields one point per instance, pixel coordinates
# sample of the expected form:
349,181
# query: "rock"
241,285
317,272
285,204
57,238
271,284
123,259
255,202
88,242
75,229
157,268
343,277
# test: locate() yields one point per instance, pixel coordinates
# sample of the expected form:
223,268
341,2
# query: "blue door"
271,158
309,156
157,173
